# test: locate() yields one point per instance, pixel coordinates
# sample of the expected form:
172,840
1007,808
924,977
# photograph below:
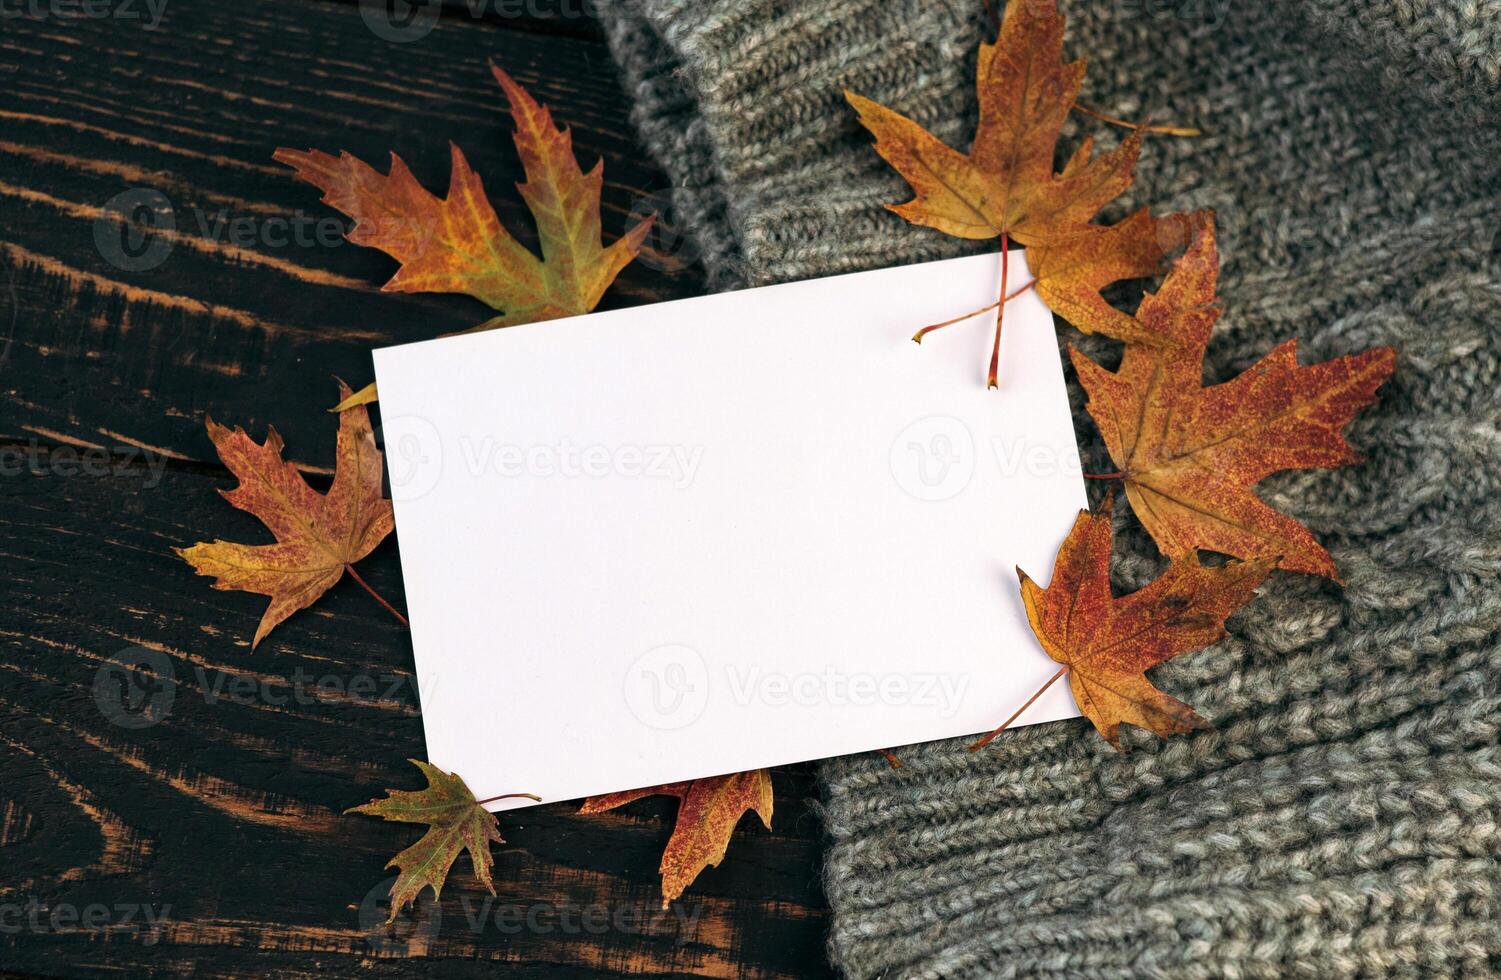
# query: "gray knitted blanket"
1345,817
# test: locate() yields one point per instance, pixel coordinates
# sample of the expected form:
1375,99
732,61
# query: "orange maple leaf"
1106,644
458,245
1189,455
318,536
707,816
1005,186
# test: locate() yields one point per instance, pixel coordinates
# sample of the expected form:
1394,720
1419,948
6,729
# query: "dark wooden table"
170,802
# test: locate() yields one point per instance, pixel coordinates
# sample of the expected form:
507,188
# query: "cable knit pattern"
1342,820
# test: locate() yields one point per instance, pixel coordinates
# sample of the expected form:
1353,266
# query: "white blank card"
725,533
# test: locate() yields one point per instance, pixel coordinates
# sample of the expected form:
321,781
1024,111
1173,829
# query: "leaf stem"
891,758
1143,127
1020,289
1105,476
917,337
507,796
378,597
1017,713
1000,310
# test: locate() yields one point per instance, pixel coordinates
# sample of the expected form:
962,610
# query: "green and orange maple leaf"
457,244
707,814
1006,188
456,822
1189,455
318,536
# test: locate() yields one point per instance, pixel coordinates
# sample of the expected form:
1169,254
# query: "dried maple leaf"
1189,455
1071,271
318,536
707,816
456,822
458,245
1106,644
1005,186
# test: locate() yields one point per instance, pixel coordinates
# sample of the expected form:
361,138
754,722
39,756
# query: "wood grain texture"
171,804
253,290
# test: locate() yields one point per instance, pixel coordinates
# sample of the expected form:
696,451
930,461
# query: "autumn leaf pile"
1187,455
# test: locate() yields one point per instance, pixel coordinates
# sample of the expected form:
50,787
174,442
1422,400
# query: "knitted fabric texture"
1342,820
